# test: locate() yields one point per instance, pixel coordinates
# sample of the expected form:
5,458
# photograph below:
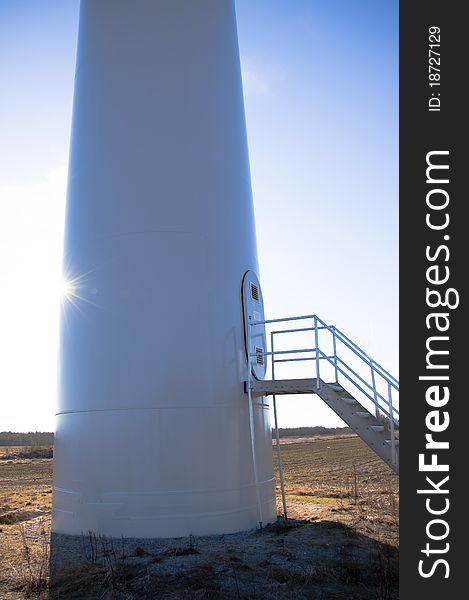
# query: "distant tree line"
32,438
309,431
46,438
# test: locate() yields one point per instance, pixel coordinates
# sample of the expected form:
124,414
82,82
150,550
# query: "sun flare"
67,288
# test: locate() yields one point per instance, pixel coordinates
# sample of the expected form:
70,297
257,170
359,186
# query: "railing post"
334,342
272,355
277,435
373,381
391,425
316,341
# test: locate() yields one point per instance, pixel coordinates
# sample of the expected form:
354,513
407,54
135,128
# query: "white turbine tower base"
153,427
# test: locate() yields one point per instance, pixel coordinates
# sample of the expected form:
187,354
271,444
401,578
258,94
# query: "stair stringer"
378,441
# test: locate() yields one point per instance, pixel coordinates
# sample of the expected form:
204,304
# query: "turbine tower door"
253,310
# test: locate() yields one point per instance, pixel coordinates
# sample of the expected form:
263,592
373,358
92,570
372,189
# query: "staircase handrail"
337,334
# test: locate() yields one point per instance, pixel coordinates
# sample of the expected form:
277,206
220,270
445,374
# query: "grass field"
341,542
341,478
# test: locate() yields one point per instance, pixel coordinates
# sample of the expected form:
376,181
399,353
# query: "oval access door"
253,310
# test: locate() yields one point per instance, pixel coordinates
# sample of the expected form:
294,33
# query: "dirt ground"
341,540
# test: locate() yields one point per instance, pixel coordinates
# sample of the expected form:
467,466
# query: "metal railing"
345,361
384,403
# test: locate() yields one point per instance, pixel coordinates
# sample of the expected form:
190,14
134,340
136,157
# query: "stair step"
348,400
363,414
377,427
336,387
389,442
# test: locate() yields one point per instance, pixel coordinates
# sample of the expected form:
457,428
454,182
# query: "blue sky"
321,95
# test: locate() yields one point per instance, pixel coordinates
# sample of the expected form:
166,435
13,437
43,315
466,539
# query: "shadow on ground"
310,560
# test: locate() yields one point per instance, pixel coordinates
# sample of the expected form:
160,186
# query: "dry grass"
25,507
20,452
340,543
344,480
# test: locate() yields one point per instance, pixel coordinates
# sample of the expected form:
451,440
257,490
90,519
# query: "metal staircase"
359,390
371,429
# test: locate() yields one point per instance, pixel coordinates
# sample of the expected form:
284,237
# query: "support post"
277,436
316,341
391,425
375,393
334,342
251,429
